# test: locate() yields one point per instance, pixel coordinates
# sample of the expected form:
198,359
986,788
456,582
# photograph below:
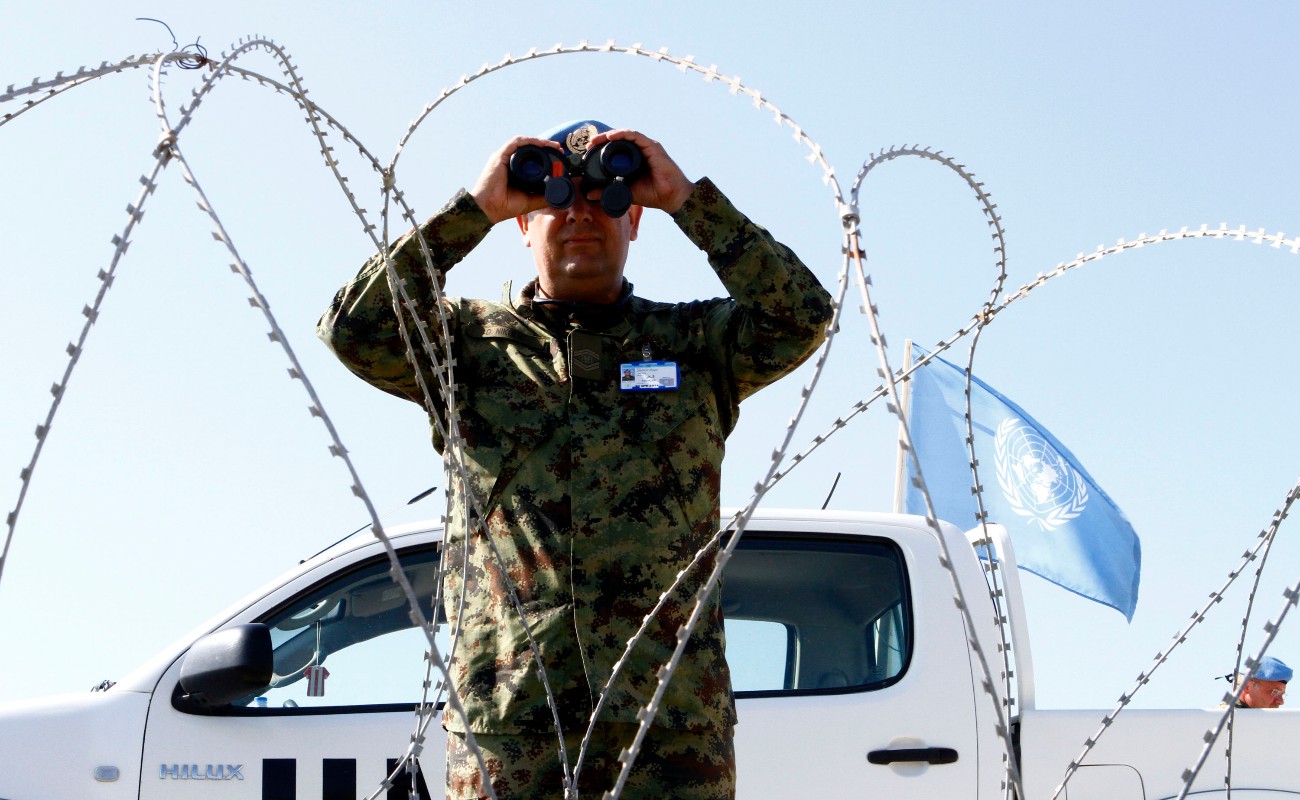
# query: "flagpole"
904,407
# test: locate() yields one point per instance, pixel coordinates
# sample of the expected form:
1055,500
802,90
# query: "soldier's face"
580,251
1264,694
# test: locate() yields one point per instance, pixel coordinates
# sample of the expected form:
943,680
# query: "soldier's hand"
664,185
493,192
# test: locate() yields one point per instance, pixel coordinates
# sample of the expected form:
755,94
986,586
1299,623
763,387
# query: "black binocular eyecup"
608,168
616,159
531,167
559,192
616,199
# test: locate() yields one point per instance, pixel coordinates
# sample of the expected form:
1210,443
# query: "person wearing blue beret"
1267,689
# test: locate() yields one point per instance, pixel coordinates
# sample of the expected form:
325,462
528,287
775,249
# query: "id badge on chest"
648,376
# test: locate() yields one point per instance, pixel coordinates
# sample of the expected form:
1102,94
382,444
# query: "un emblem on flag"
1036,481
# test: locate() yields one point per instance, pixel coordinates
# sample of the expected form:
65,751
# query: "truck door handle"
930,755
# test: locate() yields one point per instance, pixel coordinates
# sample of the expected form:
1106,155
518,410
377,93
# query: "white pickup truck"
851,668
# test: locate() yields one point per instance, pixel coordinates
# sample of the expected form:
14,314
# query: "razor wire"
166,150
1240,234
60,83
1011,781
1266,537
452,440
684,65
981,320
849,219
316,115
853,253
168,145
417,617
1291,596
736,526
709,74
1011,774
1276,241
977,488
454,466
1270,536
628,757
169,149
994,221
135,213
1245,626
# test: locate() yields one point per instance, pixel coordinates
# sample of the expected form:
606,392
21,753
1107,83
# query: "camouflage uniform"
595,497
681,765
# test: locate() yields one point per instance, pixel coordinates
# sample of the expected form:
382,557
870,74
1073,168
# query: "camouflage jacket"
595,497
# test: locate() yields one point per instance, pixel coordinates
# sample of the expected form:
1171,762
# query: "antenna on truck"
833,485
412,501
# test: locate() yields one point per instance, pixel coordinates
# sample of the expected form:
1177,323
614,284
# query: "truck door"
851,680
349,666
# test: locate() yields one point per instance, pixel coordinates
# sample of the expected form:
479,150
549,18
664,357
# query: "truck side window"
807,614
804,614
351,642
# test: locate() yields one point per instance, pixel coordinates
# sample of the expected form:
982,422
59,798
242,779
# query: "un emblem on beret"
579,139
1036,481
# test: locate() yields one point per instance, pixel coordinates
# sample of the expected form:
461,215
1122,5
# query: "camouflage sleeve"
779,311
360,325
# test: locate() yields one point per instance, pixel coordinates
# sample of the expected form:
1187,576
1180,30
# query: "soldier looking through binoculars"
594,424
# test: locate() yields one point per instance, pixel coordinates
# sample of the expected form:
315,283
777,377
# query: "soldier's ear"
634,216
522,219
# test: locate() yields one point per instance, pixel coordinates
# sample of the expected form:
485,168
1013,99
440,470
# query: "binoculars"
611,167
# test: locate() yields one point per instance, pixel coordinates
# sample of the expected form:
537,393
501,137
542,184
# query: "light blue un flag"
1063,526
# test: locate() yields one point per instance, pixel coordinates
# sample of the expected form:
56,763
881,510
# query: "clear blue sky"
183,469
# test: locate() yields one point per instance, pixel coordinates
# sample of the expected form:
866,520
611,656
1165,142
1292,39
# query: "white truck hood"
72,746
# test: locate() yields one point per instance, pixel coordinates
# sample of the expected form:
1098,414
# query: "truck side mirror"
226,665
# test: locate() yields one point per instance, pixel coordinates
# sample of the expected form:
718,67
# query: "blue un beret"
1272,669
573,136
